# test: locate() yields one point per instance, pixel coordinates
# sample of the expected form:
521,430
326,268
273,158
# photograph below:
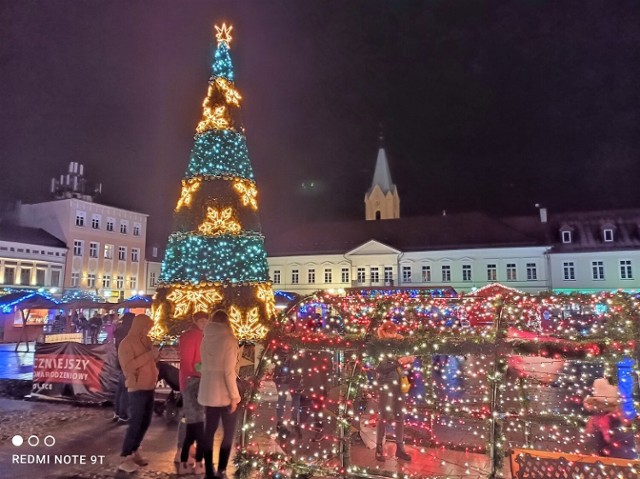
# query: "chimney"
543,215
71,167
81,169
444,212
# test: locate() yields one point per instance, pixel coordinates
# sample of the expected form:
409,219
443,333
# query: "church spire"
382,200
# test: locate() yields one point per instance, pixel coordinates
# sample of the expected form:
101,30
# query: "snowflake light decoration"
248,193
192,301
247,328
219,222
189,187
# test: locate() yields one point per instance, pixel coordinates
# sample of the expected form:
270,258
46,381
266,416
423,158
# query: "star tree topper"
223,33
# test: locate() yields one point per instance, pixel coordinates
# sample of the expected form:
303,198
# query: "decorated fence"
490,373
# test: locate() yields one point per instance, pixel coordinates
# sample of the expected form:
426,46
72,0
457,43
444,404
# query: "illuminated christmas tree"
215,257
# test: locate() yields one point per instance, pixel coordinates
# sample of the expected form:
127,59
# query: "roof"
420,233
27,235
382,174
587,228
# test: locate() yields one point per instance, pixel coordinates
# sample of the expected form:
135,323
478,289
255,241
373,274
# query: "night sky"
485,105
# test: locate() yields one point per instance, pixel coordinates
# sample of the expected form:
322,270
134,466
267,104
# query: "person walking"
391,397
218,389
190,365
138,360
121,399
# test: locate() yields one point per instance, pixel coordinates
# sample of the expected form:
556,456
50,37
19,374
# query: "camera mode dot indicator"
17,440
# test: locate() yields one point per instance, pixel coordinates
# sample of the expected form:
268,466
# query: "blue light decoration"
196,259
222,64
626,386
220,153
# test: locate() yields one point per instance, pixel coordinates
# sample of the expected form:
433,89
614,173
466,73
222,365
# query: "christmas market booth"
24,315
423,384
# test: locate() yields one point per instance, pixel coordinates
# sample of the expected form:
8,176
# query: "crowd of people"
91,328
208,383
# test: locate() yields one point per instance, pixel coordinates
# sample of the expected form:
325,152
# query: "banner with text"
79,372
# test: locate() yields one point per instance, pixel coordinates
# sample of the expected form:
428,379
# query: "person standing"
121,400
218,389
190,365
95,326
391,397
138,360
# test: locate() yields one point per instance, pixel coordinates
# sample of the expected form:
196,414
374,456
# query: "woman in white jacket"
218,389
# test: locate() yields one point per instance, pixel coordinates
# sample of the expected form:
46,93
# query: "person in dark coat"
95,325
121,402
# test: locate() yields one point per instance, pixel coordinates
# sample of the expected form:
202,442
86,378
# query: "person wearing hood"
218,389
120,401
138,358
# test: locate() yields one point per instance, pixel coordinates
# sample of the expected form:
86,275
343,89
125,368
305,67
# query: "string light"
219,222
214,260
189,187
223,33
249,327
248,193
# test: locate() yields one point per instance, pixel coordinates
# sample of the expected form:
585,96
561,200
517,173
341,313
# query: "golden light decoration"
247,328
212,119
248,193
231,95
223,33
158,331
189,187
193,300
265,294
219,222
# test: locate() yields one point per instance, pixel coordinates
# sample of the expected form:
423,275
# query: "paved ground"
16,365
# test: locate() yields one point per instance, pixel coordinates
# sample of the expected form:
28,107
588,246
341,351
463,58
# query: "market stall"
25,315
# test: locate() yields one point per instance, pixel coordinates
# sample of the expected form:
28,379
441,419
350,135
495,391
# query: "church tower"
382,201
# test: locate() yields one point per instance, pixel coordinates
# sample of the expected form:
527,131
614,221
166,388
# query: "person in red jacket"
189,385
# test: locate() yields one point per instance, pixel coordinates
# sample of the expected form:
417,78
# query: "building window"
512,274
566,236
133,282
328,276
597,270
625,269
110,224
95,222
466,272
80,218
75,279
311,276
91,280
136,229
492,272
40,275
122,253
124,226
608,235
388,275
9,275
276,276
569,271
25,276
120,282
108,251
55,277
362,275
135,255
406,274
426,274
93,249
78,246
532,272
446,273
152,279
345,275
374,274
295,276
106,281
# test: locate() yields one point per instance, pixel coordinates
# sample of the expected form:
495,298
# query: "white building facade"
30,258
